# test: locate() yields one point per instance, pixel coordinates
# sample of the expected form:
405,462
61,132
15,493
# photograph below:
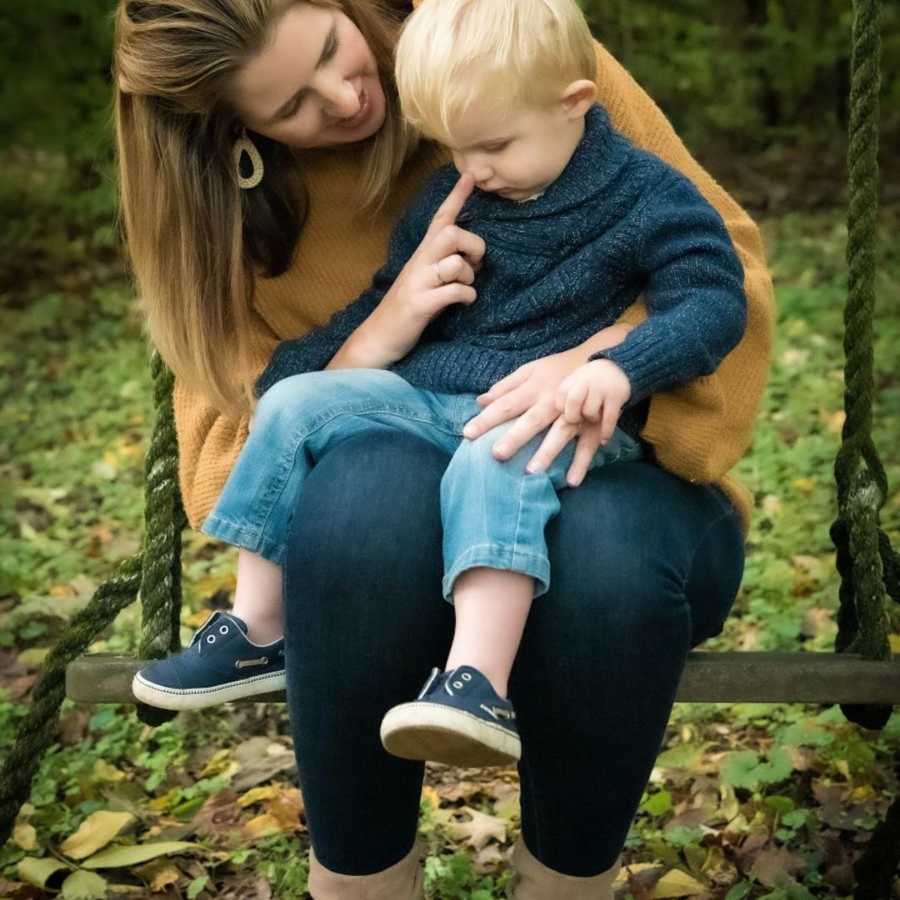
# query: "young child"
577,222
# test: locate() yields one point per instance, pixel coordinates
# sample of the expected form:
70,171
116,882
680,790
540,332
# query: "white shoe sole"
426,731
198,698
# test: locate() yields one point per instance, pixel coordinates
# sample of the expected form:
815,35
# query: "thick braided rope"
860,477
164,521
862,485
37,730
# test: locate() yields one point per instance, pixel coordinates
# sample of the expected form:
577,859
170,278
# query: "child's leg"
257,597
491,607
495,515
495,556
296,423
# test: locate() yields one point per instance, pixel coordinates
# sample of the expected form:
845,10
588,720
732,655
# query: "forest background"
747,800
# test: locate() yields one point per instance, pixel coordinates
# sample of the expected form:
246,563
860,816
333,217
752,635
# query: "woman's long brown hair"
195,239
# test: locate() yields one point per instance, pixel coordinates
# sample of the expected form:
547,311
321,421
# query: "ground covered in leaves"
747,800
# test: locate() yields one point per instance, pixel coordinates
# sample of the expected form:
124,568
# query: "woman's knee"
364,564
639,545
369,513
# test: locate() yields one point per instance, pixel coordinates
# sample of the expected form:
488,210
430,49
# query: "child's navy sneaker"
219,664
458,718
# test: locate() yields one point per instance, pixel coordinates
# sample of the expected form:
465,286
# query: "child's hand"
588,441
593,395
595,392
438,274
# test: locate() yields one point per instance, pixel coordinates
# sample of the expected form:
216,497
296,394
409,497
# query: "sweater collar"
597,159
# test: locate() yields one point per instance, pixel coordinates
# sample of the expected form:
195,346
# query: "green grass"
76,414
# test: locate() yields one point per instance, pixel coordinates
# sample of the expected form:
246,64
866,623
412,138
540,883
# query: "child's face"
516,153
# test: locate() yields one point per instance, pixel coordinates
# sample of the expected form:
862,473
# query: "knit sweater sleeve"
314,350
694,292
699,430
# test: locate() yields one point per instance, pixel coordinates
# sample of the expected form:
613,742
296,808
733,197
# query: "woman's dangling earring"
241,146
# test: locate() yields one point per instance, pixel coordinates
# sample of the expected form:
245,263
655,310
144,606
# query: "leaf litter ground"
746,800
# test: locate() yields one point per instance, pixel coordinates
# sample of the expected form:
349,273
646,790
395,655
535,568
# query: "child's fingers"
574,401
558,435
587,446
608,421
593,405
562,392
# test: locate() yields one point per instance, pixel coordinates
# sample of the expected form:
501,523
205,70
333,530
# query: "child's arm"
430,265
697,308
694,293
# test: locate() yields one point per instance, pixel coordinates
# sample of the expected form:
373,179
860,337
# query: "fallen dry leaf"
676,883
478,829
95,832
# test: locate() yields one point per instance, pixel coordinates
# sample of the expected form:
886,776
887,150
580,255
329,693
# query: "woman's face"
314,84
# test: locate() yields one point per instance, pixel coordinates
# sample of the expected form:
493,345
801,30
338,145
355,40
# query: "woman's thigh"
644,567
365,622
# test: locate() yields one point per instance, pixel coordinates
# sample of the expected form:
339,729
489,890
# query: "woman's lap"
595,677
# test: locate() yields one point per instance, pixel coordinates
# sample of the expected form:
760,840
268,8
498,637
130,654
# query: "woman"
646,563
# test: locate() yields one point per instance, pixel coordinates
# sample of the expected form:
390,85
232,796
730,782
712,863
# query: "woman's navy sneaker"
458,718
219,664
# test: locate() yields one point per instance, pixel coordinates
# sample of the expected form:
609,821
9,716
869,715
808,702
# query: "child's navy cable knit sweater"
617,222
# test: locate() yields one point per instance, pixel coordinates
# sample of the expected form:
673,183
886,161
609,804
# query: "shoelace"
211,638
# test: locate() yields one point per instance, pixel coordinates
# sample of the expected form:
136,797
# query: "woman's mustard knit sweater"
698,431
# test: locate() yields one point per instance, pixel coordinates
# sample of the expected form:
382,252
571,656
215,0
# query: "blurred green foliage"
751,73
54,76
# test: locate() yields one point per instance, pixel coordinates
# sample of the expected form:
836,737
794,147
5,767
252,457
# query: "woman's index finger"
453,203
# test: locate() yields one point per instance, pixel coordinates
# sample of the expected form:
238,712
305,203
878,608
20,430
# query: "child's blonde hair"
453,53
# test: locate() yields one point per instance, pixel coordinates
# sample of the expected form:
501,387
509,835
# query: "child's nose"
479,170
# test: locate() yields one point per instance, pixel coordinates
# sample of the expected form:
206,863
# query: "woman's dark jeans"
644,566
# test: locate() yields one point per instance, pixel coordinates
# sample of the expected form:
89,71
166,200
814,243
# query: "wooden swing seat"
709,677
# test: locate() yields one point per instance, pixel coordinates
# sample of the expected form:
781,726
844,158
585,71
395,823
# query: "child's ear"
579,97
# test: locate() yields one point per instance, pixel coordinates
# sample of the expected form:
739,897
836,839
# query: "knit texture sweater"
698,431
617,221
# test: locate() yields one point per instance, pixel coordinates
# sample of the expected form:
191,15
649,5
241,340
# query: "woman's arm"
430,266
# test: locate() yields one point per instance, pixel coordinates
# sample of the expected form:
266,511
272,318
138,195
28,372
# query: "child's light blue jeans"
493,512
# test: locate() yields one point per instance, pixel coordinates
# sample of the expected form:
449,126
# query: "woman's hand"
531,394
439,273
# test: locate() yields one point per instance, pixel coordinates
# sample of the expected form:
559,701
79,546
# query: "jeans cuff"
496,556
245,537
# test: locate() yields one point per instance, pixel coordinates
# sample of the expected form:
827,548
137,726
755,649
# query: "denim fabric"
493,512
645,566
